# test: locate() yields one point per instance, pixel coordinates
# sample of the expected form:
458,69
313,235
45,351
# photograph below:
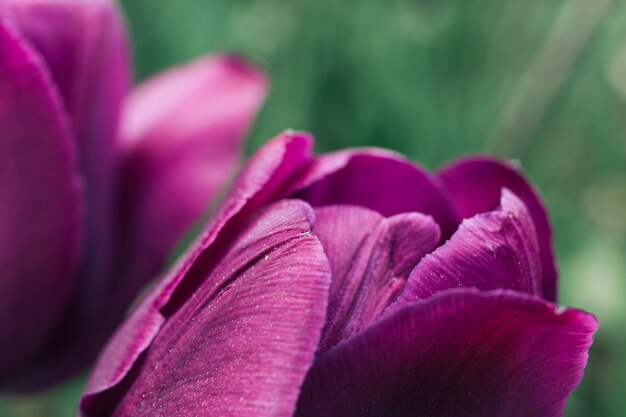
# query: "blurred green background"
541,81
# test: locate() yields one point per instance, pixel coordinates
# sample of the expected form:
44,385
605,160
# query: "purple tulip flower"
350,285
97,183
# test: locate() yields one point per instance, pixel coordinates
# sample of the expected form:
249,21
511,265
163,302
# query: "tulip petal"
53,28
83,44
39,205
490,251
106,75
242,344
461,353
379,180
183,132
263,177
475,184
371,258
104,80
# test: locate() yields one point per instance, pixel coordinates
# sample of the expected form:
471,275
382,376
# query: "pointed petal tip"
243,65
587,320
475,183
489,251
299,142
244,69
298,135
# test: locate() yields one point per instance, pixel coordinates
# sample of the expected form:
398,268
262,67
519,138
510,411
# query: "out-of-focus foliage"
542,81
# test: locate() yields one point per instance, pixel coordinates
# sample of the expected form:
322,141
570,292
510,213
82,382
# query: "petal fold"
474,185
261,180
490,251
231,349
371,257
461,353
379,180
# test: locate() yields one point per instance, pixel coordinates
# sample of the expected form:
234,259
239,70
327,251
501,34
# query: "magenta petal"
371,258
54,28
475,184
379,180
242,344
262,178
490,251
83,45
461,353
100,88
39,205
184,131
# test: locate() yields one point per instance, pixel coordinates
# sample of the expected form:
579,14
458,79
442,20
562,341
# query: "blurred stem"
545,76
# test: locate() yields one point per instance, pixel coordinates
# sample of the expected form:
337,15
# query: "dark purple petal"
260,181
84,46
184,131
490,251
39,205
460,353
379,180
100,88
54,29
242,344
475,184
371,257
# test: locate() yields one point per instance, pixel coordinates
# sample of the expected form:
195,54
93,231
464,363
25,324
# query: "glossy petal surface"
474,185
233,349
371,257
379,180
461,353
39,204
261,180
490,251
